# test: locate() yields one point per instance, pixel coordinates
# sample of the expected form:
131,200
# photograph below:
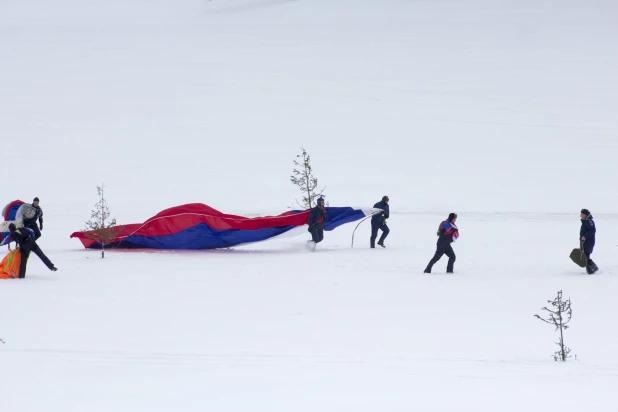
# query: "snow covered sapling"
100,228
302,176
559,316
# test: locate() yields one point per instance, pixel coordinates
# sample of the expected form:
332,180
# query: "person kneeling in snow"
447,234
26,245
317,217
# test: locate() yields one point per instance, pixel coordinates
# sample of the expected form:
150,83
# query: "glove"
41,227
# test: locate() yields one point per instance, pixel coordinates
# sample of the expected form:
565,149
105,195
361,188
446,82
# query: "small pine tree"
99,228
559,317
302,176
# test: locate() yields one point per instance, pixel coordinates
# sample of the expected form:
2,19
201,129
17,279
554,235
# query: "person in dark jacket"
587,238
378,222
31,223
317,217
26,245
447,234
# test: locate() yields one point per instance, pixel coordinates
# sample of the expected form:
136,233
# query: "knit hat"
452,216
320,200
586,212
385,199
12,227
36,199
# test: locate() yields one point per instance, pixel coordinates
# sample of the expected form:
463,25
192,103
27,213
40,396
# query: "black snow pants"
375,226
588,247
441,251
25,249
317,233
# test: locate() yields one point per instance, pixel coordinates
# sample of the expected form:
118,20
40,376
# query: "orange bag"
9,267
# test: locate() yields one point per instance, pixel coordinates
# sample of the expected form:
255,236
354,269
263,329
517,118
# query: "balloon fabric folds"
197,226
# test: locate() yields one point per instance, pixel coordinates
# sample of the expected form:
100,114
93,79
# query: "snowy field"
276,328
502,111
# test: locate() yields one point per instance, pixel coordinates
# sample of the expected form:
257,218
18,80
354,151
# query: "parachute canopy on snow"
197,226
9,267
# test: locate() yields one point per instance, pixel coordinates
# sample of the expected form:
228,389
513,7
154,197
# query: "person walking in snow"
26,245
31,221
317,217
378,222
447,234
587,239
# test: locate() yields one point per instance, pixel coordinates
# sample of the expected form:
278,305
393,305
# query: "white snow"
503,111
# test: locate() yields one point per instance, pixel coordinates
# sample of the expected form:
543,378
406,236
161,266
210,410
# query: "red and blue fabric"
448,233
10,211
197,226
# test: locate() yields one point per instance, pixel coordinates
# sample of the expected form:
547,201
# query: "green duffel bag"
579,257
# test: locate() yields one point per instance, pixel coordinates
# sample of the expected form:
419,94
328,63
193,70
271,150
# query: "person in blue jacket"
587,238
317,217
378,222
447,234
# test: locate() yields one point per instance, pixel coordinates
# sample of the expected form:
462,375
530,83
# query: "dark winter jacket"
447,234
588,229
380,218
317,216
20,236
37,216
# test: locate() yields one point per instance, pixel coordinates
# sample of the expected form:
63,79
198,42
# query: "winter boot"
592,267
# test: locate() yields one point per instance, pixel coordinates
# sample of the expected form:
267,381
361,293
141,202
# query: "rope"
359,223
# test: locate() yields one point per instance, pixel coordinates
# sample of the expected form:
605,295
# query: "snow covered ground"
273,328
503,111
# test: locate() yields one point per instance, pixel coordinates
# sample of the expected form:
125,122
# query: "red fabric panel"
179,218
